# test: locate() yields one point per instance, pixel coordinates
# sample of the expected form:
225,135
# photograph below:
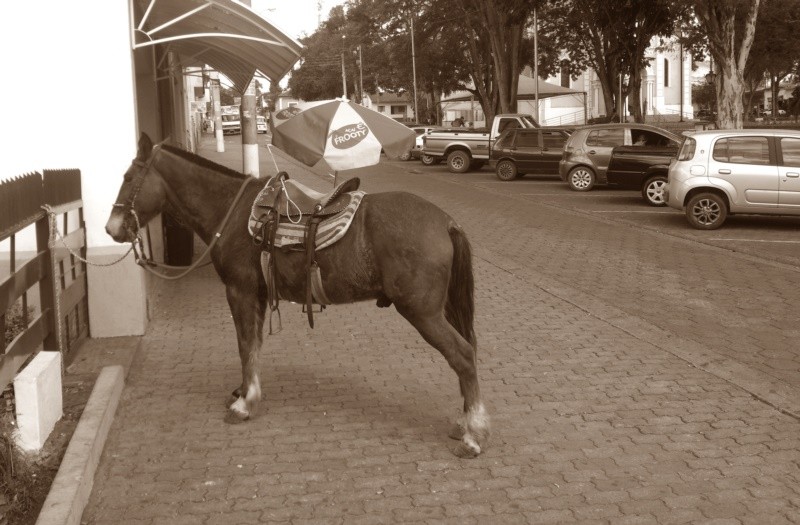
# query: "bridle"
138,180
137,244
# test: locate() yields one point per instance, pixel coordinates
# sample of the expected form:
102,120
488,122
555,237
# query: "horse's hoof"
235,418
467,450
457,431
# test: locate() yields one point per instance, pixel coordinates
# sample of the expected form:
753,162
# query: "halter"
138,253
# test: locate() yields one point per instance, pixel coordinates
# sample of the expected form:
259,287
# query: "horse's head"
141,196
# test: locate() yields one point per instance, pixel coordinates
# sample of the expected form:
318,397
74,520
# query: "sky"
296,18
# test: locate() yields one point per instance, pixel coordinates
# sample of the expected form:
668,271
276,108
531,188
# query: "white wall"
67,89
68,93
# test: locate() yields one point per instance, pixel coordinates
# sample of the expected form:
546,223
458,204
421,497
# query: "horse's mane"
203,162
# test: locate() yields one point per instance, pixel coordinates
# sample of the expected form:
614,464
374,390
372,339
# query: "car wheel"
405,156
654,191
427,160
581,179
506,170
706,211
458,161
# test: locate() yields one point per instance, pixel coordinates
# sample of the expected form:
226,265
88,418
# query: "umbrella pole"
335,172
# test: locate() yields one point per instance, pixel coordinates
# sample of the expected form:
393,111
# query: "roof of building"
389,97
225,34
526,90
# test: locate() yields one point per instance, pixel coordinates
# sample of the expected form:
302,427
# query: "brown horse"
400,249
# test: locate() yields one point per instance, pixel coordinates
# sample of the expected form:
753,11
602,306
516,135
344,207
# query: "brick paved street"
628,383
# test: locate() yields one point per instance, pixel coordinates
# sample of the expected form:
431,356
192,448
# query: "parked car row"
709,175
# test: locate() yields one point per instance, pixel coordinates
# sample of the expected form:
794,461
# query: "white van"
261,124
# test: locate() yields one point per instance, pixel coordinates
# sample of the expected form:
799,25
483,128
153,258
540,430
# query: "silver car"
723,172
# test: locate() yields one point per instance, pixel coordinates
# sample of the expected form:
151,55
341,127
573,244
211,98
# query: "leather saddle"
292,199
285,200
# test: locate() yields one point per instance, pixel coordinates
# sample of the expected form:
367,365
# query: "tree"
612,38
774,52
729,27
319,76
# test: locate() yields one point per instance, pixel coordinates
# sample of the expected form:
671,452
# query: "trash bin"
178,242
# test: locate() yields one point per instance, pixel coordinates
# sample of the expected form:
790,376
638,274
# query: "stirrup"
280,325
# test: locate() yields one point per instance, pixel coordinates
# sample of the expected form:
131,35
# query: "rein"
147,264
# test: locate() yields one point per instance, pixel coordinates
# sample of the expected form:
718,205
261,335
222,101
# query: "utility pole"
249,131
360,75
536,61
214,75
247,116
344,77
414,64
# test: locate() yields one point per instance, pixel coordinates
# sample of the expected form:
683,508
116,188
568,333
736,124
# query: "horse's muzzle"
117,228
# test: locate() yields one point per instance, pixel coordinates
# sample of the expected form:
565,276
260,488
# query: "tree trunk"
730,90
635,96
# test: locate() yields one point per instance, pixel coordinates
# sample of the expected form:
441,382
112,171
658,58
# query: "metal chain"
54,233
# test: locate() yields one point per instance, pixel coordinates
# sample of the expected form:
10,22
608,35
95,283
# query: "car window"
609,138
528,140
507,123
688,149
553,139
742,150
505,139
791,151
646,137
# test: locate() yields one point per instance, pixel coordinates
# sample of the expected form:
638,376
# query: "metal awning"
225,34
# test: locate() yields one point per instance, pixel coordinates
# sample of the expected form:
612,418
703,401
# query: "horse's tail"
460,308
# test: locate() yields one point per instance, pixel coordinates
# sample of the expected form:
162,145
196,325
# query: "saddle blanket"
330,229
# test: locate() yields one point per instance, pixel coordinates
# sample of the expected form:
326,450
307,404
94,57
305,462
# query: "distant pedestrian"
458,123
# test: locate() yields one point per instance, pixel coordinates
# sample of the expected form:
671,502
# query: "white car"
261,124
725,172
416,151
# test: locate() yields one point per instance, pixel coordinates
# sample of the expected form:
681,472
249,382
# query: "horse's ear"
145,147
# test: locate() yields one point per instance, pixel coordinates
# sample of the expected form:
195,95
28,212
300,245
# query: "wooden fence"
43,292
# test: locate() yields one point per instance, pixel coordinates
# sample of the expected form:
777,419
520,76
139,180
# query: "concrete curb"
72,485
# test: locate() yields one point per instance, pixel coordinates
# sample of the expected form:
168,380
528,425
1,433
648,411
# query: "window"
742,150
553,139
507,124
381,109
791,151
609,138
528,140
666,72
688,149
398,110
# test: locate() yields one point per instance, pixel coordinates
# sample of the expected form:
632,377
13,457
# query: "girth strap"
310,243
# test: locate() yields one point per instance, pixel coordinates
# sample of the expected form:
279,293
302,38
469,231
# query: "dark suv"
528,150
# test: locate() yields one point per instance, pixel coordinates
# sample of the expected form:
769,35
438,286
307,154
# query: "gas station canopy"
225,34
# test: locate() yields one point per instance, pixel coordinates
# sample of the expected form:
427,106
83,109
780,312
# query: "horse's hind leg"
460,355
248,316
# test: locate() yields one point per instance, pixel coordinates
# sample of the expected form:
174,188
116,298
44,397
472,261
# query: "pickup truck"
642,168
466,148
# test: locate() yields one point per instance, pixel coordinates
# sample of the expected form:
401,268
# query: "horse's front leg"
247,309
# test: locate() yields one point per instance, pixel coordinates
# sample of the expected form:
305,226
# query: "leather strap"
310,244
